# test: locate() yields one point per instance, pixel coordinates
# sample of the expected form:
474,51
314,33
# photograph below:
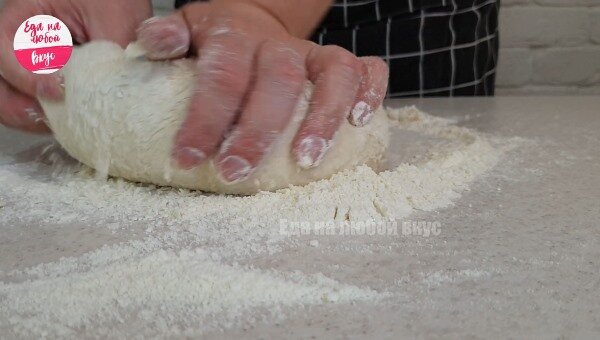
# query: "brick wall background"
547,46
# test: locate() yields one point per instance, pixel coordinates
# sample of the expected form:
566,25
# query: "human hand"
252,73
87,20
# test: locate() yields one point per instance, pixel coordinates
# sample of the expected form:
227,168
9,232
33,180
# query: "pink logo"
43,44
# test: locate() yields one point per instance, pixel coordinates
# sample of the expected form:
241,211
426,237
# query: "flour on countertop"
183,278
177,290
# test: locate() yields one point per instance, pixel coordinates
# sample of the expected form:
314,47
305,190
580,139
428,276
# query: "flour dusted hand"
254,59
114,20
121,114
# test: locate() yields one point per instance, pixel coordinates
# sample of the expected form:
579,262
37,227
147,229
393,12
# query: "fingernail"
50,88
361,114
61,80
147,26
188,157
34,115
311,151
163,38
150,20
234,169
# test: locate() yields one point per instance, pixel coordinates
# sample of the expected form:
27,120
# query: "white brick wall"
547,46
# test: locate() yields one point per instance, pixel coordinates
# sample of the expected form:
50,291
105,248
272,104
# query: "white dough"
121,114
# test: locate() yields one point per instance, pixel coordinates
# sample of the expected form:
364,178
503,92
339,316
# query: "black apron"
433,47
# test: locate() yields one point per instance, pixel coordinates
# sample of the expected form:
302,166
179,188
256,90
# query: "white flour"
173,292
182,278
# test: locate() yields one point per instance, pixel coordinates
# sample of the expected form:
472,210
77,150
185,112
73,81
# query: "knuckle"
290,72
224,64
380,66
282,62
224,74
341,58
226,80
348,61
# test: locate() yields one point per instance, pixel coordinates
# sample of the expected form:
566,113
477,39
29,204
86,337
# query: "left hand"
114,20
252,74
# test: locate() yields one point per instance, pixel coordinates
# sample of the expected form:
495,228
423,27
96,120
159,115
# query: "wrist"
250,17
298,17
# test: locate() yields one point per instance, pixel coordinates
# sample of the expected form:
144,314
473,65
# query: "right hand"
253,71
114,20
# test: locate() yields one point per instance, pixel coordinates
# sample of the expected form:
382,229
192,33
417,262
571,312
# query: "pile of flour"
180,274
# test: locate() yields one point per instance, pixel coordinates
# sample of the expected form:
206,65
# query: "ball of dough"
121,114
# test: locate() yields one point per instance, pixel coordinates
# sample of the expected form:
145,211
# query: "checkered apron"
433,47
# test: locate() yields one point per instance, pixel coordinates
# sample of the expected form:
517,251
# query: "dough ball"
121,114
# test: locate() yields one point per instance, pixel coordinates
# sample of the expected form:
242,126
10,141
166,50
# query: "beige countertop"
529,234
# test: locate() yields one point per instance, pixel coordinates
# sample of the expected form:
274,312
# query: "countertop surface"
519,255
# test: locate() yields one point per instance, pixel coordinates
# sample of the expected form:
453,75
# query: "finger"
371,91
225,63
46,86
19,111
165,38
169,37
116,21
336,74
280,81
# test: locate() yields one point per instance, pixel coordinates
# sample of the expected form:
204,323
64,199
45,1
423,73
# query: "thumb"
170,37
33,85
165,37
116,21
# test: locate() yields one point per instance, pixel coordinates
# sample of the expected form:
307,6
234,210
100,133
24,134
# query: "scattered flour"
182,277
175,292
441,277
